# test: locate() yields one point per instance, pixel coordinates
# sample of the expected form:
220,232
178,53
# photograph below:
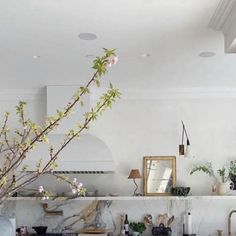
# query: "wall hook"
54,213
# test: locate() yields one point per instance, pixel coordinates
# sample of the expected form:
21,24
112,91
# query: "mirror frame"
145,159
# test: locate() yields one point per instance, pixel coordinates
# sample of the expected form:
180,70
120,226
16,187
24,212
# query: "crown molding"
222,15
170,94
140,94
224,20
22,94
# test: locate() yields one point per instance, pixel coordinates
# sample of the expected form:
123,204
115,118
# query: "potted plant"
137,228
232,172
222,178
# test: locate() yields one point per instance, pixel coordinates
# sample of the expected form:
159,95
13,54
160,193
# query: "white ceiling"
173,32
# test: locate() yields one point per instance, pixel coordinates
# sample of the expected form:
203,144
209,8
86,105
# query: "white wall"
142,127
151,126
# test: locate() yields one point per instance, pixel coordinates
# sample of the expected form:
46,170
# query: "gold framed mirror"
159,175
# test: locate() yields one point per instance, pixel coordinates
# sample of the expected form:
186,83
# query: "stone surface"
207,214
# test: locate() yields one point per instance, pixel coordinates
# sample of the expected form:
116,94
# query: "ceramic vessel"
233,179
225,188
40,230
6,227
135,233
180,191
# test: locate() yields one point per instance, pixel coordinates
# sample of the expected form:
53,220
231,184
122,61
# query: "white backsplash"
208,215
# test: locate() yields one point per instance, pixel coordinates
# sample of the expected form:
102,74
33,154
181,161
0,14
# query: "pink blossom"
41,189
74,191
115,60
112,61
76,187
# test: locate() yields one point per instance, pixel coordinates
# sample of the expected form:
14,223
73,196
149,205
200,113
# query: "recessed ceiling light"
206,54
89,55
87,36
36,56
146,55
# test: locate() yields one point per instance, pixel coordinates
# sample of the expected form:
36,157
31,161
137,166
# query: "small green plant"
223,175
137,227
232,167
223,172
206,168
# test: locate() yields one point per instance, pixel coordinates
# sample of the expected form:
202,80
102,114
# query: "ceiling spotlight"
89,55
146,55
36,57
207,54
87,36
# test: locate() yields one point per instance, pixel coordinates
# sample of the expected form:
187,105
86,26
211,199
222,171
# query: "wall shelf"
128,198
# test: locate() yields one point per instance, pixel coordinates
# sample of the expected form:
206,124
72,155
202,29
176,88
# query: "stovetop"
53,234
46,234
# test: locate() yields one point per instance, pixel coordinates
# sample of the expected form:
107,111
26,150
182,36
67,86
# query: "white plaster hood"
58,97
88,155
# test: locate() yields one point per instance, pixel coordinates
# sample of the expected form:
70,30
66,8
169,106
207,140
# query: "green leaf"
207,169
25,167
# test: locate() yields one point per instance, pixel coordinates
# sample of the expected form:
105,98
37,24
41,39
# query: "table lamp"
134,174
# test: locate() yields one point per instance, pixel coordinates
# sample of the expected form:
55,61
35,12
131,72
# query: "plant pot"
225,188
40,230
233,179
180,191
135,233
6,226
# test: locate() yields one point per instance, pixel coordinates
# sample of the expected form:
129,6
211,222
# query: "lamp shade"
188,152
134,174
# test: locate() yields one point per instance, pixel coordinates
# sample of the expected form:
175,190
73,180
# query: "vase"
6,227
135,233
233,179
225,188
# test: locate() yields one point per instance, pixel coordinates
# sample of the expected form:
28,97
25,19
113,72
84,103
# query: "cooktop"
46,234
51,234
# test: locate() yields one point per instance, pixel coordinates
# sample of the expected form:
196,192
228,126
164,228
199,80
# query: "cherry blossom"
41,189
112,61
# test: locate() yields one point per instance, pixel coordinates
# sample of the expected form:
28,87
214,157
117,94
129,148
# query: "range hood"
57,98
88,155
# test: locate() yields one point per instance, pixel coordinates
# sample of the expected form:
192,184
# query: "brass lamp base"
136,188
